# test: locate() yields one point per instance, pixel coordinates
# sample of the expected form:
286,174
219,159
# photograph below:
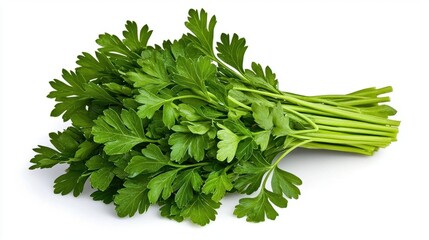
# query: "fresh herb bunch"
184,123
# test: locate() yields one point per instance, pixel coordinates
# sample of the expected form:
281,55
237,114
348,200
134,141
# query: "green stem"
239,103
308,120
356,143
188,165
357,130
286,152
320,100
325,108
366,101
337,147
337,122
372,91
352,137
188,96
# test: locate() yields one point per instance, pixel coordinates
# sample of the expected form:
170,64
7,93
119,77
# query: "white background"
315,47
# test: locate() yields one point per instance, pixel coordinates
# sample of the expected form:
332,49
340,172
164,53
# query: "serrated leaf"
70,94
99,66
132,198
257,208
281,122
45,158
227,145
86,149
201,210
250,173
169,114
97,162
153,75
151,103
98,93
199,128
101,178
151,162
187,144
262,116
268,75
119,133
188,182
202,29
111,44
283,182
72,181
245,149
217,183
258,81
108,195
193,73
232,50
136,41
161,184
170,210
262,138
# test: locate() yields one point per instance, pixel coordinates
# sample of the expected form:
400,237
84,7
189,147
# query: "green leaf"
102,178
153,75
219,91
134,40
193,73
237,126
97,162
281,122
259,81
245,149
46,157
187,144
232,51
67,143
201,210
151,162
108,195
119,133
257,208
98,93
262,116
169,114
250,173
111,44
283,182
202,29
227,145
74,85
70,95
262,138
217,183
268,76
132,198
188,182
151,103
161,184
72,181
189,113
99,67
118,89
170,210
199,128
86,150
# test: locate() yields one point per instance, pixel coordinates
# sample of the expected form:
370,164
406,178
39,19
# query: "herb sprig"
183,123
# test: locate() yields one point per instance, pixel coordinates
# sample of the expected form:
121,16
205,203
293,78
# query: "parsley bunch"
183,123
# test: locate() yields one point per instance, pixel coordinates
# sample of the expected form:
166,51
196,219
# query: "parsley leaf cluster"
183,123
